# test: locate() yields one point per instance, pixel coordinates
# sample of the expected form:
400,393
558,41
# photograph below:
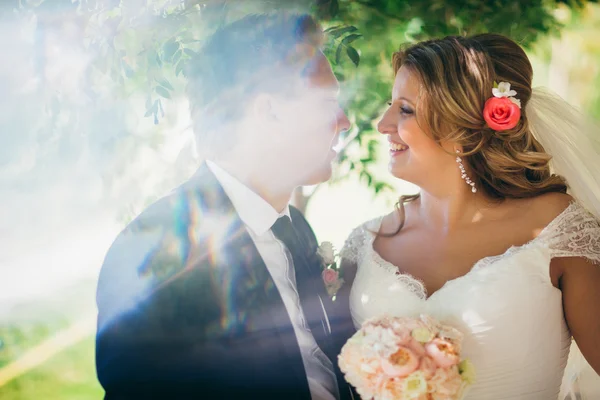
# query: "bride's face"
414,155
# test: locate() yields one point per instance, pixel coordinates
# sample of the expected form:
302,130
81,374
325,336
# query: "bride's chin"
397,171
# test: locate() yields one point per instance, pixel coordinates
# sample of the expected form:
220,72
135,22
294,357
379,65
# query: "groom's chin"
321,175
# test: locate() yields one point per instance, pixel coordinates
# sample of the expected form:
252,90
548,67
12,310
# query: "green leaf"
336,33
190,40
177,56
165,83
372,146
379,186
338,54
353,54
169,49
160,108
161,91
190,52
333,28
180,67
339,76
365,175
334,8
151,110
351,38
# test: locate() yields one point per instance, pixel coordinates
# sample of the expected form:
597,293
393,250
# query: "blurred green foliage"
138,49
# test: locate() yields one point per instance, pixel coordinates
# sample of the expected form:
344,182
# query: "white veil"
573,141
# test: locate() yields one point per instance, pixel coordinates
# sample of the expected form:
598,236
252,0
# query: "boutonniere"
331,273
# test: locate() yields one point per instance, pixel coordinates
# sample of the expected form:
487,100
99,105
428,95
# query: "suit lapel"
250,302
312,294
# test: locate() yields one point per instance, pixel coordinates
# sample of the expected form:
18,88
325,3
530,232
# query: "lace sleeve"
353,245
575,233
359,239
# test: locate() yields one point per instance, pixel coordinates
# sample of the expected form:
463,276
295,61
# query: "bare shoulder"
548,206
391,221
553,202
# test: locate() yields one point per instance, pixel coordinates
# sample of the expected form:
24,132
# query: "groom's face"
311,121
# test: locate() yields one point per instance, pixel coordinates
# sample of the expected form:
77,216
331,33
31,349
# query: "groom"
215,291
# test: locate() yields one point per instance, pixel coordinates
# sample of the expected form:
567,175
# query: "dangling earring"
463,173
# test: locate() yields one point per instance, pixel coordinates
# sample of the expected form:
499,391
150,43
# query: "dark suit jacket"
188,309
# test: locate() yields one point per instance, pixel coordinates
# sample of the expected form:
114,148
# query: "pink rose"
415,346
330,276
442,352
446,383
428,367
400,364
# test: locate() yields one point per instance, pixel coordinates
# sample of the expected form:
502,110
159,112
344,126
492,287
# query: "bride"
492,244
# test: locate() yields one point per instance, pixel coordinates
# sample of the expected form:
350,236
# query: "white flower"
379,341
467,371
422,335
503,90
327,252
515,100
414,385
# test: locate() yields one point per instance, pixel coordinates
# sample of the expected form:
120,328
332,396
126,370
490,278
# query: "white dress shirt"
259,216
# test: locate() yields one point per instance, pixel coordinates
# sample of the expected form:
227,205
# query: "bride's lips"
397,148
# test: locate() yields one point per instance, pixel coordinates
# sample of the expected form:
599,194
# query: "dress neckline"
423,293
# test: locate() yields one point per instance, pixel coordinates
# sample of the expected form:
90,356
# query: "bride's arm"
579,281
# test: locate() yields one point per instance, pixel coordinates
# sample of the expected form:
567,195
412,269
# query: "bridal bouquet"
406,358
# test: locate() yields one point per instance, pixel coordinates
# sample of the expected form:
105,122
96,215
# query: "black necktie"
284,231
307,290
309,297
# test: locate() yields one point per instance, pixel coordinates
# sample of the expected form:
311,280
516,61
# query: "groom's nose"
343,123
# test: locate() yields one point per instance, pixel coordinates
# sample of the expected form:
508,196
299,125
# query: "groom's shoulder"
160,224
162,213
172,211
150,249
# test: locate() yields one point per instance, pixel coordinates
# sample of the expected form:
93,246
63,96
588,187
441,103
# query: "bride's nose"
387,124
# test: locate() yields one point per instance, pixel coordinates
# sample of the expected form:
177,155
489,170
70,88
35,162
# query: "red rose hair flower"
503,111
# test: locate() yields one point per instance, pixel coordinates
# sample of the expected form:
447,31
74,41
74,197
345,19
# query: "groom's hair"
255,54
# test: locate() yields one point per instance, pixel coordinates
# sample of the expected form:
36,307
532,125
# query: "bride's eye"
406,110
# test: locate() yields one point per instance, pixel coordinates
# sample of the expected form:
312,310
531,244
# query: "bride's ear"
451,147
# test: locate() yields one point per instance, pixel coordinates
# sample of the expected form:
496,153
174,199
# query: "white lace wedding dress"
507,307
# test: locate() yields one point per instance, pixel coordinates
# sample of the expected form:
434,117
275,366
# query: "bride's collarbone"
429,259
435,258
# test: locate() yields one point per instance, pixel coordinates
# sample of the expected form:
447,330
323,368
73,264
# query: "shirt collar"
254,211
